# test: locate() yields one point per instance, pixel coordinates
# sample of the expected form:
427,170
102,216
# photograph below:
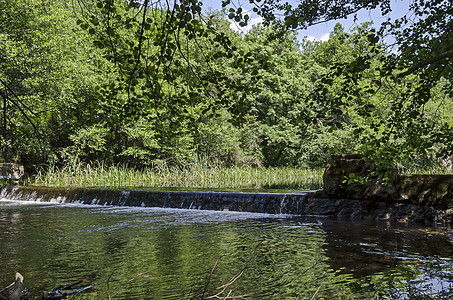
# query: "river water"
188,254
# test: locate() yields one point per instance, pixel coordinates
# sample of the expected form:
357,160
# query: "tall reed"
193,176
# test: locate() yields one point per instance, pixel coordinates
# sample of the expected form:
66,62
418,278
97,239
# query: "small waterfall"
274,203
123,198
303,203
282,204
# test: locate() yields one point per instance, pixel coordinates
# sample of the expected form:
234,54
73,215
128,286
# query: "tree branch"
425,63
38,134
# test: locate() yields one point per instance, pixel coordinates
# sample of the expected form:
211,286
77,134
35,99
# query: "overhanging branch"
21,110
425,63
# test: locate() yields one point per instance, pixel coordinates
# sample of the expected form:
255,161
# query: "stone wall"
427,190
350,167
272,203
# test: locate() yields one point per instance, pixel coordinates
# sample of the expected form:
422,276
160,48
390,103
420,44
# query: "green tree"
412,66
177,72
50,75
275,87
138,83
423,47
21,62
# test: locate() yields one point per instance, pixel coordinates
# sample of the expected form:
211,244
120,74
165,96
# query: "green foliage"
89,141
121,82
48,79
402,80
275,93
388,119
141,143
223,143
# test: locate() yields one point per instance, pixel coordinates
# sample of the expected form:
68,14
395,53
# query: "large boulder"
353,177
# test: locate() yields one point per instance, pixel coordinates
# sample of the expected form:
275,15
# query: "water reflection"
364,248
51,245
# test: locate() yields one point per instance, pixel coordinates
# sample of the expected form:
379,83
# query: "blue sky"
322,31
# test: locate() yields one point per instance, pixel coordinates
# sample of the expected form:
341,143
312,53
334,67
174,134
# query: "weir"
309,203
273,203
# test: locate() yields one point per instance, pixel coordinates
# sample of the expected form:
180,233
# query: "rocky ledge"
356,188
318,203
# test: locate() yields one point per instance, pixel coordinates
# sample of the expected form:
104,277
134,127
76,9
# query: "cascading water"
298,203
274,203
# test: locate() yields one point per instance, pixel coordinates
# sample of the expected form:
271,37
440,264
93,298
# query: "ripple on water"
287,257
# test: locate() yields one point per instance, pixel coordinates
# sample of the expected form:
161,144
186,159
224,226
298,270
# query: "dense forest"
140,84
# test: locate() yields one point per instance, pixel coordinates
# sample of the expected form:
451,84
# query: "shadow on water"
363,248
295,256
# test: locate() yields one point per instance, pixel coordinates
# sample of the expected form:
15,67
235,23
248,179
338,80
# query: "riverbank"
403,198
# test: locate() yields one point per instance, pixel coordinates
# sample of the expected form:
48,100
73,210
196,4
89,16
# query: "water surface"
188,254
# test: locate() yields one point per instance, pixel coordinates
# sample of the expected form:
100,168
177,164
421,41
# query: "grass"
199,175
193,177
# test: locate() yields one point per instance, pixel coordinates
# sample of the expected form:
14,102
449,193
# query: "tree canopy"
144,83
414,64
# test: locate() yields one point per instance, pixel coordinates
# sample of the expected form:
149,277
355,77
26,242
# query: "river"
188,254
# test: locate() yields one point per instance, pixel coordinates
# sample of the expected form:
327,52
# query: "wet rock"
355,209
